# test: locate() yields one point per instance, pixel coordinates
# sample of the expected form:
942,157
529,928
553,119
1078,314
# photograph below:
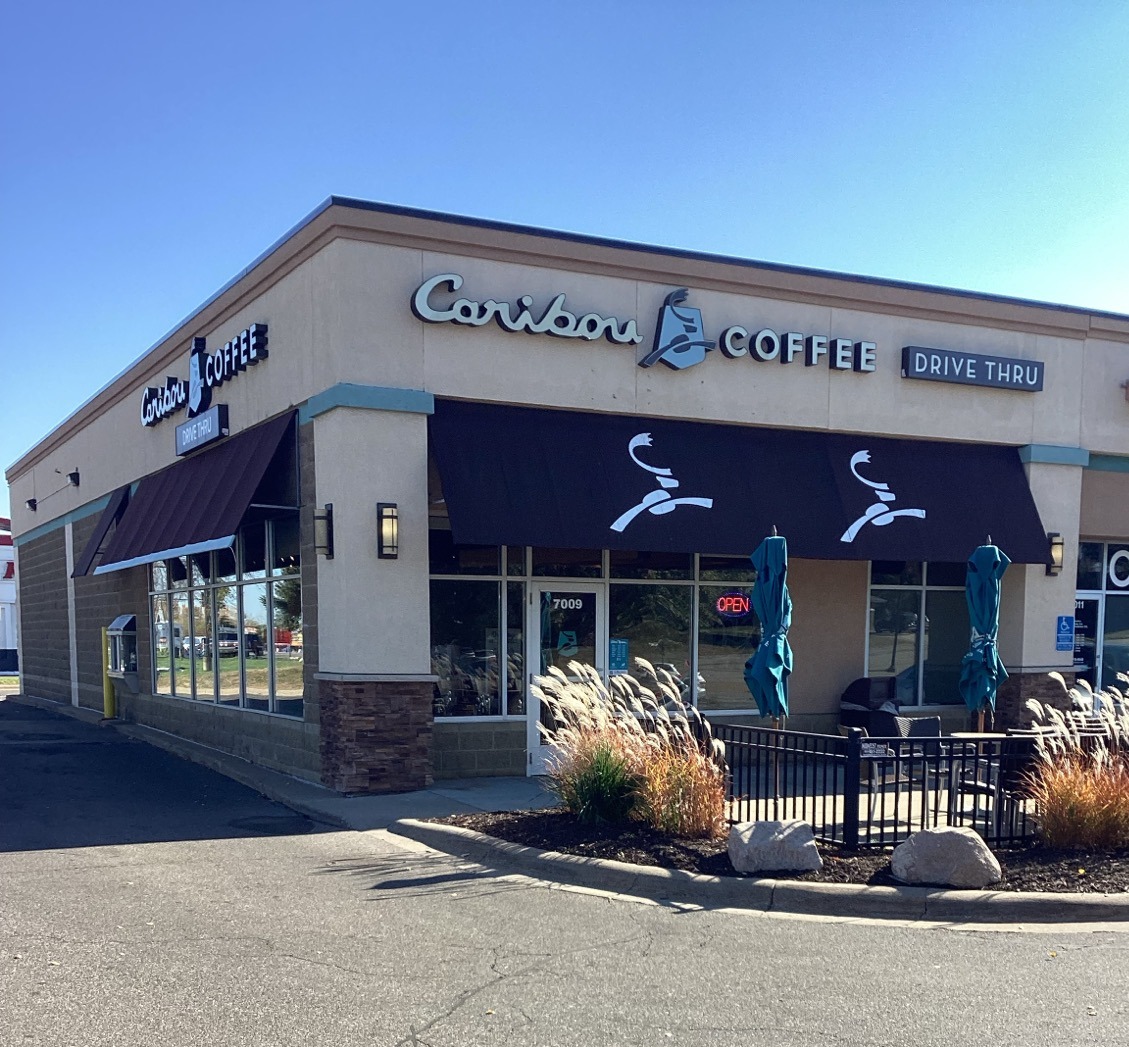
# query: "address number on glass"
567,603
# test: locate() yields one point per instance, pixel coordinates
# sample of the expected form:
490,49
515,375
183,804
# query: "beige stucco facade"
347,352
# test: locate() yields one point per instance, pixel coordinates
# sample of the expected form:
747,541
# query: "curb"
765,895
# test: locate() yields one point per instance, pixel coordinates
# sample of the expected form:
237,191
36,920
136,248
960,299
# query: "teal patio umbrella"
767,672
981,671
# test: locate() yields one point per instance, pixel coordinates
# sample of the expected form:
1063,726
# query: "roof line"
680,252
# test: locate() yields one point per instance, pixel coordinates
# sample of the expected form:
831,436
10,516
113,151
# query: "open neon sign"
733,605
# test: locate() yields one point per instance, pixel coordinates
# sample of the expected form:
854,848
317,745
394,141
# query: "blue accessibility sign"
1064,633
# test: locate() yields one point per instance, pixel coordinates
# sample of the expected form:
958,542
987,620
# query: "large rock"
773,846
953,857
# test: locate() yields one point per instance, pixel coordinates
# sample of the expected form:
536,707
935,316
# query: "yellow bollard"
109,699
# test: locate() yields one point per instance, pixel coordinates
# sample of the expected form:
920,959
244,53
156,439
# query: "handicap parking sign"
1064,633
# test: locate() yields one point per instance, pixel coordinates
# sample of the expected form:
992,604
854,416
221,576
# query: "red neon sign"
733,605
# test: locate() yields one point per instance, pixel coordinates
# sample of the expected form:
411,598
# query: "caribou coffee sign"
206,371
554,318
680,335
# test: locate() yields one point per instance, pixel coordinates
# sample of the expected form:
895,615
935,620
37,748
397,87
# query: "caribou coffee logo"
206,371
659,502
880,514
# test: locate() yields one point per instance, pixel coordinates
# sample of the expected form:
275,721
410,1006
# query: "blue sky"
151,151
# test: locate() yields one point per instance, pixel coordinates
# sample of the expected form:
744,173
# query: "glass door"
567,623
1087,630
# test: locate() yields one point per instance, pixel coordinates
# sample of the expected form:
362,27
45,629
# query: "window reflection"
725,642
286,602
946,633
465,648
256,649
654,621
205,646
894,616
218,636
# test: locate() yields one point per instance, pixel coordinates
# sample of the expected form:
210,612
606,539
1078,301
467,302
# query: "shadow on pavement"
66,783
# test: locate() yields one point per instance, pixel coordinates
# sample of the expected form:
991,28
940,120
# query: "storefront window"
1101,614
1091,558
258,645
515,648
465,647
567,563
448,558
918,629
728,635
289,658
162,647
226,635
653,621
651,565
181,646
1115,642
205,649
946,634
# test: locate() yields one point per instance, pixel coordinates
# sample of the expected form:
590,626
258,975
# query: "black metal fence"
874,792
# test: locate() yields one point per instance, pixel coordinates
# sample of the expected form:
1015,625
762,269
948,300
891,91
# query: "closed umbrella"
981,671
767,672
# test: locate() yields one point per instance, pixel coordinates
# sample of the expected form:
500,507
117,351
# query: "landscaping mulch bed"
1029,869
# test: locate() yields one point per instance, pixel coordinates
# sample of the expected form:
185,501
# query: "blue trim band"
74,515
1054,454
366,397
1109,463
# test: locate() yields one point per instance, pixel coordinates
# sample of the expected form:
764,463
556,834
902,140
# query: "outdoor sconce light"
323,531
31,503
388,538
1056,542
72,478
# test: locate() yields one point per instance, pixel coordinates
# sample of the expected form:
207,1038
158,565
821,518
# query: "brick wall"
375,735
470,750
98,600
278,742
44,628
1018,688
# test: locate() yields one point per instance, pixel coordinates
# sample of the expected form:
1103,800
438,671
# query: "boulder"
953,857
773,846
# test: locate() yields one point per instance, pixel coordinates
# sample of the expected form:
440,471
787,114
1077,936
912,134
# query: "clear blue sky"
150,151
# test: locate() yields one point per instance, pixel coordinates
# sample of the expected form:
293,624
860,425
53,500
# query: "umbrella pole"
776,770
980,721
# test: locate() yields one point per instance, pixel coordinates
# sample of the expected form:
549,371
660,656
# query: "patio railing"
874,792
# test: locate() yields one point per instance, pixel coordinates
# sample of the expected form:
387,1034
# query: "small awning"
113,512
195,505
528,476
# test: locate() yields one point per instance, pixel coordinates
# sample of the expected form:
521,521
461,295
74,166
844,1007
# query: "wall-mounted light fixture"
72,478
1054,566
388,535
31,503
323,531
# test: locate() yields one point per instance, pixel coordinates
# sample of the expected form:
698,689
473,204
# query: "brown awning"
113,512
196,505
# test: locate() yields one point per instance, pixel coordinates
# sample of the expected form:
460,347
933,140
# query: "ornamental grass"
1080,781
629,751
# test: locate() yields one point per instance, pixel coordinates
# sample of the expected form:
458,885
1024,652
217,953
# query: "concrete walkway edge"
789,896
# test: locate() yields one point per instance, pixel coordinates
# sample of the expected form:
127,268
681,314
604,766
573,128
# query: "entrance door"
566,624
1087,630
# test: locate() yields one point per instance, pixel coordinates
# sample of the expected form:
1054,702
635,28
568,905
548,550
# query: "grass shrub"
627,750
1080,781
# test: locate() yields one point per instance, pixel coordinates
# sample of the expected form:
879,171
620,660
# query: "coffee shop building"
339,517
